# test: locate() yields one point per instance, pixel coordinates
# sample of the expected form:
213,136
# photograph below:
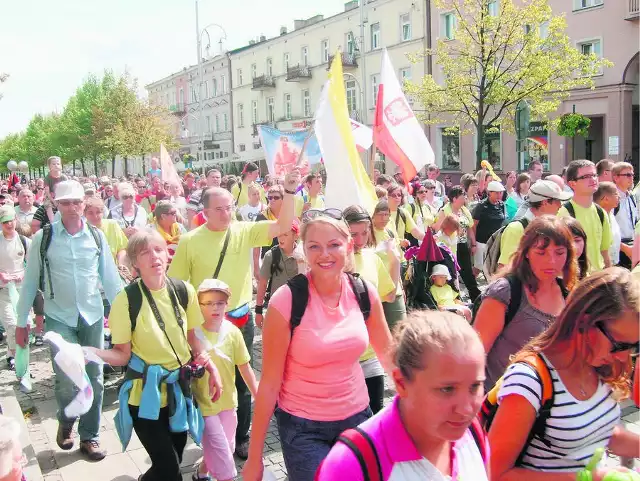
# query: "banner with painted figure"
282,149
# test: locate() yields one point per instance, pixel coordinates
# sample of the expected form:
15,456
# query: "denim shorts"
305,443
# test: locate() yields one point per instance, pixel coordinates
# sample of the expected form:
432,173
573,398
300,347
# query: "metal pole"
363,87
200,126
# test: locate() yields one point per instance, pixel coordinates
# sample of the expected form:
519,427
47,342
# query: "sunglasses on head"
313,213
617,346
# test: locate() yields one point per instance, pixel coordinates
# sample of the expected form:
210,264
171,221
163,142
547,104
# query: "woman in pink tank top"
311,370
430,431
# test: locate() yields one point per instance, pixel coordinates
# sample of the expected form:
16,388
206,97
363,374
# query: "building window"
206,89
225,122
287,57
324,49
242,147
223,84
181,96
270,67
448,25
492,148
351,44
593,46
192,95
217,123
352,100
375,36
256,145
544,30
494,8
405,27
254,112
305,56
254,71
240,115
306,103
449,148
582,4
375,81
271,110
214,87
405,74
207,121
287,106
239,77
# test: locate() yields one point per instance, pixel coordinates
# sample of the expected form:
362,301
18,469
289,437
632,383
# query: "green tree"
497,59
43,139
12,147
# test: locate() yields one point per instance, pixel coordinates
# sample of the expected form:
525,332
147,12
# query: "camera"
192,371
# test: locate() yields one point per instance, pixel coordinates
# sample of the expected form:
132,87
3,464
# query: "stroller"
421,261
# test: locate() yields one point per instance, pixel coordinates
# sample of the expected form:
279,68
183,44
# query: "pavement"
39,409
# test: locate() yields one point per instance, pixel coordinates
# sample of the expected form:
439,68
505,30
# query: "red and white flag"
397,133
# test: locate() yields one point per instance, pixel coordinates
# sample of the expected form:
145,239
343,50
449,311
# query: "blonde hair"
140,241
253,187
125,188
342,228
93,202
428,332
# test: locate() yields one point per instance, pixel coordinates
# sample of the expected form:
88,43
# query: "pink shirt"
323,380
399,457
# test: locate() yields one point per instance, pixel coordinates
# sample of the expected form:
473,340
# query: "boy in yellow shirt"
444,295
227,350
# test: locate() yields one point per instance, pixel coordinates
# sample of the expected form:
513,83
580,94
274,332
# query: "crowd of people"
521,378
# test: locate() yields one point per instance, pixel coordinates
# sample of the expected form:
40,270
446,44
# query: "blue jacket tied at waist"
183,413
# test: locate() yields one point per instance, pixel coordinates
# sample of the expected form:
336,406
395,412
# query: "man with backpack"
488,216
583,180
627,211
69,260
545,198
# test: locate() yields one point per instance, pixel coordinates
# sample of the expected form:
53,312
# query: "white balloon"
12,165
23,166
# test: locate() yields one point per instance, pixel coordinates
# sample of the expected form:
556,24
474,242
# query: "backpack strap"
390,233
524,222
96,237
299,286
600,211
276,256
222,252
44,260
361,291
413,209
239,192
134,299
515,286
569,206
361,445
180,288
480,437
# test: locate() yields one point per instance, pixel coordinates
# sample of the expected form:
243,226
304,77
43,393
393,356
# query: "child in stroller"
446,297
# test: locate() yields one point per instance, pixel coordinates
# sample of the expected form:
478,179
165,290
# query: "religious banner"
282,150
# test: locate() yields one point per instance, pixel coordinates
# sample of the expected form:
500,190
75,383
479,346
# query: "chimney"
351,5
283,30
263,38
298,24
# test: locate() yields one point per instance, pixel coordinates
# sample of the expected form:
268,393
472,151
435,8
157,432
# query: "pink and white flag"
168,169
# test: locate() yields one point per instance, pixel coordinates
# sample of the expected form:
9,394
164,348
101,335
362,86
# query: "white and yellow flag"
347,180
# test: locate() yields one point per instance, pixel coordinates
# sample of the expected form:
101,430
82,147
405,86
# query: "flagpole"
371,154
304,145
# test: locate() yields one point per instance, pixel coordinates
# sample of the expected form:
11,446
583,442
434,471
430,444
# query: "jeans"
244,395
163,447
8,319
466,270
65,389
305,443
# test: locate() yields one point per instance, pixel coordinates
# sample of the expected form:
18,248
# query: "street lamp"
199,34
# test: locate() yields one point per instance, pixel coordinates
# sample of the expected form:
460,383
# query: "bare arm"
262,290
118,356
607,258
121,257
379,335
202,357
256,262
438,223
624,443
249,378
291,183
490,321
35,225
635,257
417,233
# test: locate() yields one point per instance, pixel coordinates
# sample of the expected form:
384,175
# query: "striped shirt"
574,430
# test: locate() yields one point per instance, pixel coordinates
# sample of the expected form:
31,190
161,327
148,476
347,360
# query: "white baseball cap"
69,190
214,285
441,270
545,190
495,186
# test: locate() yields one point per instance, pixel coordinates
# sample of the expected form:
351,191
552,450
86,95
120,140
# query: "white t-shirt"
616,235
12,255
138,220
249,212
574,430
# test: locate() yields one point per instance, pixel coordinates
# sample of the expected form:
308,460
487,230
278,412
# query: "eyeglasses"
217,304
587,177
629,175
313,213
422,191
124,197
396,196
274,197
617,346
172,213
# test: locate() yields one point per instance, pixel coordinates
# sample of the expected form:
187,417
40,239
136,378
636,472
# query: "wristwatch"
258,309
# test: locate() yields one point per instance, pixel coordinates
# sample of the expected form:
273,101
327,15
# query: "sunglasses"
630,176
396,196
422,191
314,213
274,197
127,197
617,346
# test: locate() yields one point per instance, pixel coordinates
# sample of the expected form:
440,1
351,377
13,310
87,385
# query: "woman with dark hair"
466,238
527,295
420,210
587,354
240,191
399,219
521,189
510,183
579,243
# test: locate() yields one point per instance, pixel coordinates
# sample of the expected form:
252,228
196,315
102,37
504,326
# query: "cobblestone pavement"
57,465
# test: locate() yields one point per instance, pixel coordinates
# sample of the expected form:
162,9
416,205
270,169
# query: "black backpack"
299,286
276,257
572,212
134,298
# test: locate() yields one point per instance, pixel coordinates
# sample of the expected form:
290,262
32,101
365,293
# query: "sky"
49,46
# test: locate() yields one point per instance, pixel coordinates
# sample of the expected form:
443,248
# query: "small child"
445,296
227,350
448,234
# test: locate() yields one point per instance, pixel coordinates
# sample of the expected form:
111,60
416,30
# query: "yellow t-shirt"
599,236
316,203
198,252
241,197
148,341
230,342
402,226
422,215
371,268
384,235
444,296
115,236
510,241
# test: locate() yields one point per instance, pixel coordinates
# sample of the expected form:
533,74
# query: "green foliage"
493,62
571,125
